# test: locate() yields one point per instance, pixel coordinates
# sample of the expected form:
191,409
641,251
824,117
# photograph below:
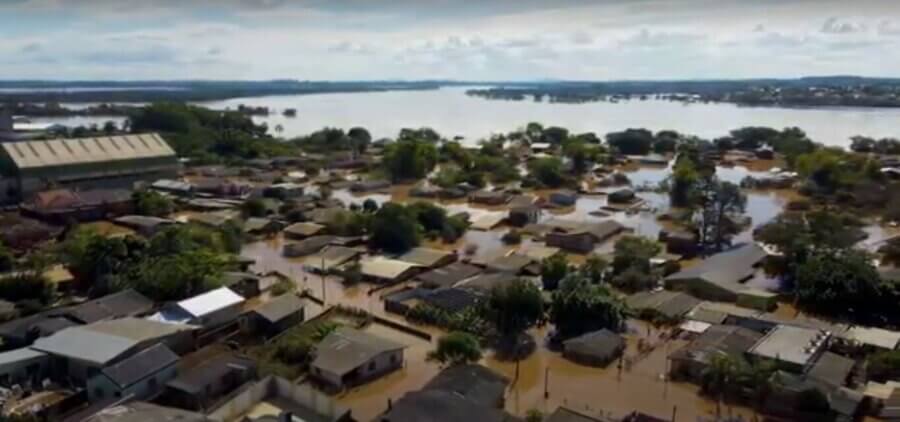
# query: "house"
514,264
793,348
580,237
276,315
597,348
60,206
563,198
300,231
665,303
470,393
349,357
140,376
284,401
719,277
523,215
680,242
257,226
330,259
447,276
215,219
379,269
144,225
204,385
22,332
565,414
621,196
487,221
22,234
116,305
210,309
831,370
489,197
522,201
484,283
869,337
308,246
77,353
110,162
429,258
174,187
23,366
448,299
690,361
138,411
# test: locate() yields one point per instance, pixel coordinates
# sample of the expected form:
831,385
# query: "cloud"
889,28
655,39
31,47
835,26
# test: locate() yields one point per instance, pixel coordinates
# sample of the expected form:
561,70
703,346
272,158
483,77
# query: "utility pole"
547,382
674,412
322,269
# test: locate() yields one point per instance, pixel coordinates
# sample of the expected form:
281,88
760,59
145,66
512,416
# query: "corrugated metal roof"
145,363
384,268
20,355
84,344
346,349
61,152
211,301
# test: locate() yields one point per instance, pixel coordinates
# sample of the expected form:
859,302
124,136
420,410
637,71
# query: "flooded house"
428,257
140,376
331,258
276,315
379,269
598,348
582,238
459,393
308,246
563,198
277,399
665,304
721,276
348,357
300,231
448,299
256,226
522,215
143,224
792,347
60,206
210,309
489,197
447,276
173,187
691,361
200,387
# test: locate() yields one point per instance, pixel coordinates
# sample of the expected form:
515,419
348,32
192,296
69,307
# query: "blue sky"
458,39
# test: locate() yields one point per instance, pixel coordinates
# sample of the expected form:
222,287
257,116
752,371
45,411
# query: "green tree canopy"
394,228
579,307
409,159
514,307
456,348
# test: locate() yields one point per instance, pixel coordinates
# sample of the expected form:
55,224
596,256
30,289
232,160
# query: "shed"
331,258
276,315
597,348
831,370
261,226
204,385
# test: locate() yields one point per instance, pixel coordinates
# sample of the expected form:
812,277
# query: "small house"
523,215
622,196
597,348
140,376
514,264
429,258
308,246
256,226
204,385
243,283
348,357
210,309
721,276
370,186
276,315
300,231
22,366
691,361
564,198
330,259
379,269
489,198
447,276
143,224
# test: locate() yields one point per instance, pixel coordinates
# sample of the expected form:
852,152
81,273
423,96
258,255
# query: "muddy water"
370,400
599,391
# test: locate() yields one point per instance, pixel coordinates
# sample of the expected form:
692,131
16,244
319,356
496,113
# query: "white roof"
790,343
698,327
33,127
60,152
385,268
540,145
210,302
871,336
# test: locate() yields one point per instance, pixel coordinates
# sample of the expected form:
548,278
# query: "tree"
513,308
594,268
634,252
813,401
369,206
631,141
554,134
884,365
577,151
152,203
254,207
456,348
394,228
719,203
553,269
360,138
720,376
843,283
635,279
548,171
409,159
580,307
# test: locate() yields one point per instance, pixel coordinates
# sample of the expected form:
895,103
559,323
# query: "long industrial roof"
62,152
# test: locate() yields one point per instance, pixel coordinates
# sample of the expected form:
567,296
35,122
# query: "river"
453,113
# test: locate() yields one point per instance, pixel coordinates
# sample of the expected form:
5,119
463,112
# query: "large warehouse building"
103,162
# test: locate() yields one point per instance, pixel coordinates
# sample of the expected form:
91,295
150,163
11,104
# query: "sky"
447,39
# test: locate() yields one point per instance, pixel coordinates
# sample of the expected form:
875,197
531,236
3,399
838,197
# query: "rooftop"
145,412
62,152
449,275
385,268
602,344
726,269
124,303
195,380
788,343
346,349
210,302
280,307
718,339
669,303
425,257
475,383
831,369
142,364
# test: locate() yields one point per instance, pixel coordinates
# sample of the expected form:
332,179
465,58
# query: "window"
371,366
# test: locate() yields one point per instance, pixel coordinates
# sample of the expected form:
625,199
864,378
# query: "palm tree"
760,378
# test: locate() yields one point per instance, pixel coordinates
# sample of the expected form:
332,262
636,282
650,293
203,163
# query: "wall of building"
220,317
271,387
24,370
